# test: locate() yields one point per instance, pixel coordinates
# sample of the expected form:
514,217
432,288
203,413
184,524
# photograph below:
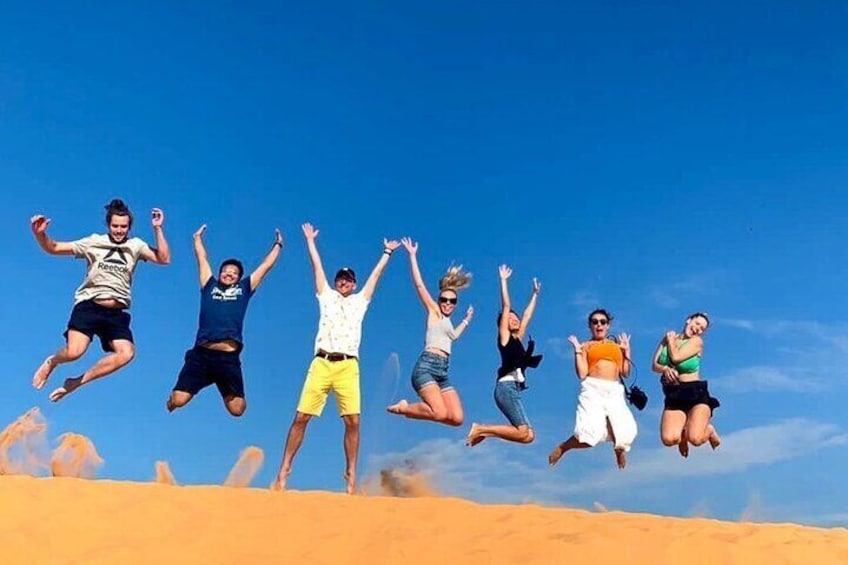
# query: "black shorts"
204,367
108,324
685,396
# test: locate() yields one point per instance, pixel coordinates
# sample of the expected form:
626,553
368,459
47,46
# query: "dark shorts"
508,399
685,396
204,367
108,324
431,369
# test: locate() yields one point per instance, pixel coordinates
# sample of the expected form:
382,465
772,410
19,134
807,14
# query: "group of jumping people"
602,362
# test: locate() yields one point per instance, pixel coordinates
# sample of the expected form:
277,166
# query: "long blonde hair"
455,279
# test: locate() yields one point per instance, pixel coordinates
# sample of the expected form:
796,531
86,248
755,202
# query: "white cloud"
670,294
507,473
765,377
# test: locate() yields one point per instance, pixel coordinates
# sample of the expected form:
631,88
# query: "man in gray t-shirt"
102,300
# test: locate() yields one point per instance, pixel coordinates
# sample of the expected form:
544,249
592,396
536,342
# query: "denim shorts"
508,399
431,369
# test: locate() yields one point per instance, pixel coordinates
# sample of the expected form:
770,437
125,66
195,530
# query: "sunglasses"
598,322
446,300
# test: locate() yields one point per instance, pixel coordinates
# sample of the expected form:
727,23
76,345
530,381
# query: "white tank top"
440,335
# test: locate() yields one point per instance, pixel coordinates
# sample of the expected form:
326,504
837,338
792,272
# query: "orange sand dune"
69,520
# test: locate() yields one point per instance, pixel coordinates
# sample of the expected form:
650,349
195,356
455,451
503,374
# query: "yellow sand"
69,520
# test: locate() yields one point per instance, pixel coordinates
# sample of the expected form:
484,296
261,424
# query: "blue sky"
651,159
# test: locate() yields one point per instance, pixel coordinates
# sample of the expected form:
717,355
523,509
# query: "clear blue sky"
651,159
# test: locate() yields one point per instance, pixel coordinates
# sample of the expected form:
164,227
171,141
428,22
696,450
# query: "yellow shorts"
342,377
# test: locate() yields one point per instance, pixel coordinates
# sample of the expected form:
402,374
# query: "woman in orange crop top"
602,411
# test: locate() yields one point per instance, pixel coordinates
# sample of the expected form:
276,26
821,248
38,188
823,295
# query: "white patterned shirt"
340,325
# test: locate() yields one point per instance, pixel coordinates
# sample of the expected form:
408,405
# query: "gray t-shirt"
110,267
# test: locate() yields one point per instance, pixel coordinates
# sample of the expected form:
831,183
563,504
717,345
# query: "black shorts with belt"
686,395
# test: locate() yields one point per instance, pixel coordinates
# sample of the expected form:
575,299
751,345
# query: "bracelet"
466,322
278,243
388,252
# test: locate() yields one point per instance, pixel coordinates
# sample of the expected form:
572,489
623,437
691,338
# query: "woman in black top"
515,359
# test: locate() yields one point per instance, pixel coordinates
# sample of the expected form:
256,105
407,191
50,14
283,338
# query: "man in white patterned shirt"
335,366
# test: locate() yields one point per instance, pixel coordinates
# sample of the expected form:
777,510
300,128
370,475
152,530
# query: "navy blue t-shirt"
222,311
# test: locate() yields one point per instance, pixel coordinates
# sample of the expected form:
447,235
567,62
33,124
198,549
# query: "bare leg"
351,448
673,430
293,443
178,399
699,429
520,434
568,445
453,404
236,405
123,353
75,347
433,408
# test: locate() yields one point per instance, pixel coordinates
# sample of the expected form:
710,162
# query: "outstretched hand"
200,231
157,217
505,272
411,246
624,342
279,237
390,244
38,224
575,342
537,286
469,313
309,232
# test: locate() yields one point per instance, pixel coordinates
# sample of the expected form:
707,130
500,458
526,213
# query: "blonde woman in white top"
440,401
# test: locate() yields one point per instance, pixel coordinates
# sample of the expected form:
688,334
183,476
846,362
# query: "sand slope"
67,520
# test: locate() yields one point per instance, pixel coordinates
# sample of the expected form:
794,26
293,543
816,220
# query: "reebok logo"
111,256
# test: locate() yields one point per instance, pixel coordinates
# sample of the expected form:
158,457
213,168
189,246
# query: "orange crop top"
606,351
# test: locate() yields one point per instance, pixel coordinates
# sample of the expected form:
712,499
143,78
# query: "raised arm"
506,307
267,263
423,295
204,270
161,254
624,344
389,247
530,309
310,233
39,224
581,364
691,348
463,325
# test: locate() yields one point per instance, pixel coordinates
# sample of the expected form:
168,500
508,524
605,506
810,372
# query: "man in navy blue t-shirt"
214,359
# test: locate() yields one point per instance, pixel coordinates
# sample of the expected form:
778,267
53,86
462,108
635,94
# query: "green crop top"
691,365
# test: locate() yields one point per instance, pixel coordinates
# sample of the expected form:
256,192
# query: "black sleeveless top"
515,356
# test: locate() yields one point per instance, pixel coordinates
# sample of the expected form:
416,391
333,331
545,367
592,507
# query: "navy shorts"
508,399
204,367
108,324
429,369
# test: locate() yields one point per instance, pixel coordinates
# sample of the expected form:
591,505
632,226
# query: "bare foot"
279,483
350,479
621,458
715,439
555,455
474,436
43,373
169,405
398,408
683,445
67,388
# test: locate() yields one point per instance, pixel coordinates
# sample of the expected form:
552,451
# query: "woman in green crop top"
688,409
